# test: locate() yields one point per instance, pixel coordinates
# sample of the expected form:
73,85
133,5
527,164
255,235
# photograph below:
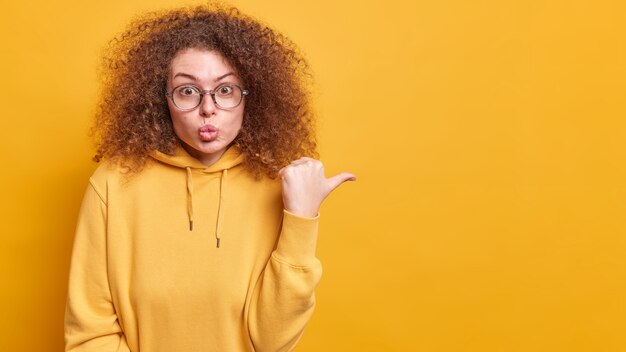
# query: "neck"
204,158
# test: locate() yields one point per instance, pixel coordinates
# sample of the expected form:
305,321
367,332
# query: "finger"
301,160
297,162
337,180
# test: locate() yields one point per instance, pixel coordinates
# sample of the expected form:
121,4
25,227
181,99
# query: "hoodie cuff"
298,239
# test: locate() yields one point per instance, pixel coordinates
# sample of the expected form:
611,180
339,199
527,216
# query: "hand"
305,186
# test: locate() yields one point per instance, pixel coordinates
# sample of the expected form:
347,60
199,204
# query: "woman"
198,232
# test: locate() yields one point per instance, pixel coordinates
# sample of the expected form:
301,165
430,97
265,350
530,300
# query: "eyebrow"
186,75
194,78
224,76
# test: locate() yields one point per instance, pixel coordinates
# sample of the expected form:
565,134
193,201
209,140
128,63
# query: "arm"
283,299
91,323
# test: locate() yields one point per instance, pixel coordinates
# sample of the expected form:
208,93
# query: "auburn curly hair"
132,118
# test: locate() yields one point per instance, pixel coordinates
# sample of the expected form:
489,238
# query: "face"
206,131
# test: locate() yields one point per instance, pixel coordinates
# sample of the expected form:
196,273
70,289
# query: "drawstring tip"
218,243
190,225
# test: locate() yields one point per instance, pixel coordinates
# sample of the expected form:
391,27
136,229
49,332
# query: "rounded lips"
208,133
208,128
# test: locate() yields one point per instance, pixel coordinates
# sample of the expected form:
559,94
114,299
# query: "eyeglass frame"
204,92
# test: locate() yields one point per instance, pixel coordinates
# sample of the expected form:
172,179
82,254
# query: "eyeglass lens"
188,97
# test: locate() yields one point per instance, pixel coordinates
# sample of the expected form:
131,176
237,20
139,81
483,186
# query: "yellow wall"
489,141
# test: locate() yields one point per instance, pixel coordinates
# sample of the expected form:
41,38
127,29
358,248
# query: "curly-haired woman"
198,231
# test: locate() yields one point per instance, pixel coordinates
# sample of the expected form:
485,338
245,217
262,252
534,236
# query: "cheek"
179,123
178,117
237,124
240,120
176,122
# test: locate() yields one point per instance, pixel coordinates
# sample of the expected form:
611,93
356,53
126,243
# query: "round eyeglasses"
188,97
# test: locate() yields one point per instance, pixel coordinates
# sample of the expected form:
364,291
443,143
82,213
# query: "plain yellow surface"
489,138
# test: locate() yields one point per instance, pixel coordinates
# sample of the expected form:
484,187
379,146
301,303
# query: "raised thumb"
335,181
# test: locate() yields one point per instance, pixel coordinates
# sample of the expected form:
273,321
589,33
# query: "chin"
210,147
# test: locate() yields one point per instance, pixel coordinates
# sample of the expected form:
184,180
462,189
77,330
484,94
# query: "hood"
231,157
181,159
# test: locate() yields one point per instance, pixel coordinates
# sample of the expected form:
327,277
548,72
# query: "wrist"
303,212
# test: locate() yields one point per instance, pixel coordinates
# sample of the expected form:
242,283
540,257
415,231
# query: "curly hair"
132,117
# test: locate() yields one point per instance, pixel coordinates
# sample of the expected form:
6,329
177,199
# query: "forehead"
205,65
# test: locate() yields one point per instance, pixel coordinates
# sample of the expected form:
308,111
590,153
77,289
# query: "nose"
207,106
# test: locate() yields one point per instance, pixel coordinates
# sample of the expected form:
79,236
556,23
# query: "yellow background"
489,142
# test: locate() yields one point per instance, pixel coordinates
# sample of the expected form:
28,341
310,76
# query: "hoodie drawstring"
220,211
220,208
190,198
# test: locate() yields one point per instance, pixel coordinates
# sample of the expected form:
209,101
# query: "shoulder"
107,171
109,175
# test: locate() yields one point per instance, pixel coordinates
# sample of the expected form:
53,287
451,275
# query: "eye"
187,91
225,90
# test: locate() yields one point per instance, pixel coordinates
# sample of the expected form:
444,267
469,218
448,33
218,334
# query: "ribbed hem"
298,240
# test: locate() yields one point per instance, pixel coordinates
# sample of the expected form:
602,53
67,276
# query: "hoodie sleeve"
91,323
283,300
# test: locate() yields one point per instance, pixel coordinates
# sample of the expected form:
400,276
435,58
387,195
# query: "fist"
305,186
